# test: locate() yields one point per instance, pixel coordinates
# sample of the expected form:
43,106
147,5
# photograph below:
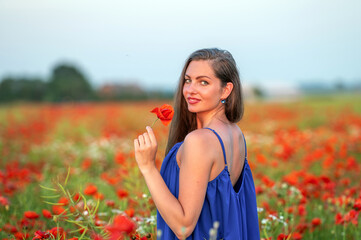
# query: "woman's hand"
145,147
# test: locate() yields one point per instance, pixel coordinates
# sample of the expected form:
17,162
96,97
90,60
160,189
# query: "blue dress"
235,208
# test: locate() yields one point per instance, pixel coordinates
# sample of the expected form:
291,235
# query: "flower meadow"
68,171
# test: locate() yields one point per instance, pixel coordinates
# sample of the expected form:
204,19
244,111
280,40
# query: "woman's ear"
227,90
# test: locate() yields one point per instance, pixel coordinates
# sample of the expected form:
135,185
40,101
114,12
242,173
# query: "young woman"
205,177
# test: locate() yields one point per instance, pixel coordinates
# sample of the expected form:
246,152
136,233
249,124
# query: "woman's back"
230,197
234,145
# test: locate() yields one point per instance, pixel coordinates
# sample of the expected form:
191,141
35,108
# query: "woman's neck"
205,119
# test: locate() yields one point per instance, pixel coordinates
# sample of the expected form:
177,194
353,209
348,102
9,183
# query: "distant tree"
118,91
67,83
130,91
6,89
258,92
340,85
27,89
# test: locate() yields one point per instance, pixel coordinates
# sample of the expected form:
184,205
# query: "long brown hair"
226,70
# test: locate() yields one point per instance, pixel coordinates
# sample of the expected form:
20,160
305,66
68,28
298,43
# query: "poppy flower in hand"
164,113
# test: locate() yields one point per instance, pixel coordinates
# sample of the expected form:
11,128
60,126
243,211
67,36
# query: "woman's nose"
190,88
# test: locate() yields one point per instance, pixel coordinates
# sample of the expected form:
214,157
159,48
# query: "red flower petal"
90,190
164,113
46,213
31,215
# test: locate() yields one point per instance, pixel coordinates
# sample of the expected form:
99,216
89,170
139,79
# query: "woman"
205,177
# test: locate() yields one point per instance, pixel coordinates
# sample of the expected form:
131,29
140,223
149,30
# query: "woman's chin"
192,109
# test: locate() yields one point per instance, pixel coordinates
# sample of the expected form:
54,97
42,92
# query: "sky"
274,42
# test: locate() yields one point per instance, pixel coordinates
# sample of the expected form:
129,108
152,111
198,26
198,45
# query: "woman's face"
202,89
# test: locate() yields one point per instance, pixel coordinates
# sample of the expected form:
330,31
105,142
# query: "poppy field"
67,171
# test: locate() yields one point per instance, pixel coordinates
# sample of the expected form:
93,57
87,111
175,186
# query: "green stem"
154,123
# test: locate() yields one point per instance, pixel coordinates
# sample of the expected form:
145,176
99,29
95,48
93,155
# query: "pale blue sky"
274,42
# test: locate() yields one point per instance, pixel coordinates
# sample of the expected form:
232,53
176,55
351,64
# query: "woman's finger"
151,135
136,144
146,139
141,140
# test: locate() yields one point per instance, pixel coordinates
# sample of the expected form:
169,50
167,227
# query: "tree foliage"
27,89
68,84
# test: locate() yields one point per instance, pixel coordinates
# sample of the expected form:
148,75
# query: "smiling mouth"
193,100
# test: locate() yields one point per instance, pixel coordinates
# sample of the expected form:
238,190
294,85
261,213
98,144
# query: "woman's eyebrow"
198,76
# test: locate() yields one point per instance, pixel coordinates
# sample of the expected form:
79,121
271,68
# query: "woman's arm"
180,214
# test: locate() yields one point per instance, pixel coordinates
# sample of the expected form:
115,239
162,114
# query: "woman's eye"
204,83
187,80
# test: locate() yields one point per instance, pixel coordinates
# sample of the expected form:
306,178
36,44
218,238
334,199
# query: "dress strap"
245,145
220,139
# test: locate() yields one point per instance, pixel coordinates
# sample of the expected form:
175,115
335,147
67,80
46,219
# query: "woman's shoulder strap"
220,140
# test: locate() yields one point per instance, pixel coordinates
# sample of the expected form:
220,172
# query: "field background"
305,156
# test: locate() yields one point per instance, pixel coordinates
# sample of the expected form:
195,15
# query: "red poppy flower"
76,197
357,205
46,213
296,236
259,190
261,158
339,219
96,236
164,113
41,235
302,210
120,158
31,215
9,228
64,201
86,163
351,216
99,196
110,203
122,193
282,236
90,190
267,181
58,210
124,224
4,201
20,235
130,212
58,231
72,209
316,222
121,225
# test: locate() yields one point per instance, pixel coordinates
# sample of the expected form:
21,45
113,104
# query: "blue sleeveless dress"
235,208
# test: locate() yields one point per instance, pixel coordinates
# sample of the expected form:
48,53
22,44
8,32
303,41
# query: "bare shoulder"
200,141
198,135
240,134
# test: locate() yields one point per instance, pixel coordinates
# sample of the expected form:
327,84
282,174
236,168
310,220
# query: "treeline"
67,83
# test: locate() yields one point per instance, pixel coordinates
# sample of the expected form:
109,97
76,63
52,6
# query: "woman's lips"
193,100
